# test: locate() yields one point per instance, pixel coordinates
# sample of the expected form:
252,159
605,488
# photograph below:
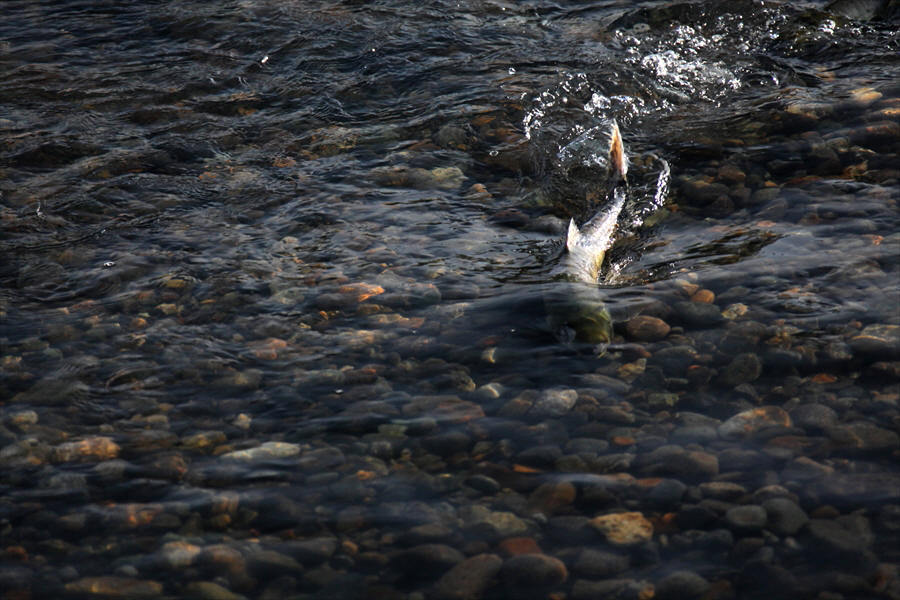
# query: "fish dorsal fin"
617,152
573,236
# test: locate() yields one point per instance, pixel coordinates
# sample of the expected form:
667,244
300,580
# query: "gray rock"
744,368
838,537
749,518
814,417
598,564
681,585
427,559
469,579
784,516
611,589
698,314
863,437
533,571
554,403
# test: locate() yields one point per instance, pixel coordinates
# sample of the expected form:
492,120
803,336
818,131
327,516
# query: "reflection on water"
273,301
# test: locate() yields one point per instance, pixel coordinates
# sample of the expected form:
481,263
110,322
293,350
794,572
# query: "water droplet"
493,153
512,70
109,264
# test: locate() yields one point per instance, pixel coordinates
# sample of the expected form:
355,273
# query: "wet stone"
597,564
681,585
744,368
312,551
624,529
746,423
550,497
722,490
676,359
814,417
469,579
554,403
644,328
785,517
209,590
427,560
115,587
612,589
699,315
484,522
863,437
269,563
837,537
89,449
533,571
746,519
879,340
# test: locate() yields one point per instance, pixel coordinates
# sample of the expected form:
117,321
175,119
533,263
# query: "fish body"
575,306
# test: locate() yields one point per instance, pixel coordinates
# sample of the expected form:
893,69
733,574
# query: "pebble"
492,524
747,423
115,587
533,571
744,368
96,448
551,497
681,585
624,529
469,579
698,315
265,451
554,403
863,437
427,560
746,519
644,328
598,564
209,590
814,417
878,340
612,589
784,516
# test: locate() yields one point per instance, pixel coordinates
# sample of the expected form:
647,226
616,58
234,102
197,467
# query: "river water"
273,282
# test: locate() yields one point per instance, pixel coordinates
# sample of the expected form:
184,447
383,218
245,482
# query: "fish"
586,247
576,310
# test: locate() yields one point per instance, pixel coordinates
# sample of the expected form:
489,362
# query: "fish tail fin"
573,236
617,156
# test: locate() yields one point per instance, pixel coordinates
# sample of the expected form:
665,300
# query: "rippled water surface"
275,279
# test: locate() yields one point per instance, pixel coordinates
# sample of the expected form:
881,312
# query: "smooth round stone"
863,437
428,559
744,368
619,589
748,422
698,314
667,492
878,340
722,490
837,537
814,417
533,570
552,496
644,328
209,590
746,519
469,579
785,517
597,564
676,359
681,585
554,403
484,484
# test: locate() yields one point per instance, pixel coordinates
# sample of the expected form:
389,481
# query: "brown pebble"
704,295
646,328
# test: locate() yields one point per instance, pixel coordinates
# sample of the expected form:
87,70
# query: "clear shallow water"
272,300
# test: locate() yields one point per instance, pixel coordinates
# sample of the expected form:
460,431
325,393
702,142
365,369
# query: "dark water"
272,318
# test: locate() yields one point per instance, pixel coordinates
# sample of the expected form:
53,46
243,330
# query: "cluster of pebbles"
288,430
